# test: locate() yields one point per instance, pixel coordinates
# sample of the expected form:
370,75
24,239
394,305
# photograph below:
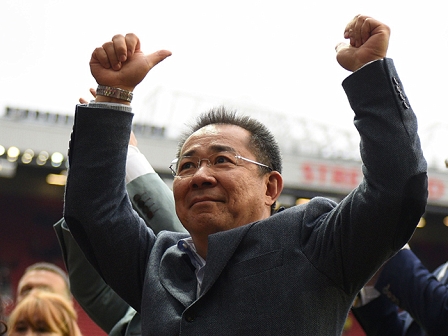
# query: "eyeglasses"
188,165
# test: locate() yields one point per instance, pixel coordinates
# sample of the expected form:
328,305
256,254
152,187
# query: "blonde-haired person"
45,314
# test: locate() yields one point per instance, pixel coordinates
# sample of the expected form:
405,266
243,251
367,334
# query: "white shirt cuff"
136,164
367,294
112,106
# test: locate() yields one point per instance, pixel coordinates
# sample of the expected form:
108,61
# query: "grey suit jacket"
154,202
295,273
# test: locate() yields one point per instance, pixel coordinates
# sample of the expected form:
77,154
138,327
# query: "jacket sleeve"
153,200
97,209
97,299
380,215
406,282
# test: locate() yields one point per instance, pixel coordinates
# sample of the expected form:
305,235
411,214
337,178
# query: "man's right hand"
120,63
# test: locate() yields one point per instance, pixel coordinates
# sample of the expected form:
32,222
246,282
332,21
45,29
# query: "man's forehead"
217,137
40,276
208,130
38,279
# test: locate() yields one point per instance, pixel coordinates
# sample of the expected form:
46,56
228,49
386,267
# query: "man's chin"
207,221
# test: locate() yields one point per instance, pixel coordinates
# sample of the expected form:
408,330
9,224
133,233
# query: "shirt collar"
187,246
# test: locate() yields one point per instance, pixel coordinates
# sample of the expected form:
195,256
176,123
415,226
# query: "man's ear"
274,187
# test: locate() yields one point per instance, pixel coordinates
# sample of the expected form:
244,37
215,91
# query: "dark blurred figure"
404,298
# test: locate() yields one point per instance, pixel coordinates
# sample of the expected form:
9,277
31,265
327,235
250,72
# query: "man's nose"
203,177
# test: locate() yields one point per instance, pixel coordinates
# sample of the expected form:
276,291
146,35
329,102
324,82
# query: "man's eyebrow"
213,148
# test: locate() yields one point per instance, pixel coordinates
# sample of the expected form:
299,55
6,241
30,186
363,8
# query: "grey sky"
275,55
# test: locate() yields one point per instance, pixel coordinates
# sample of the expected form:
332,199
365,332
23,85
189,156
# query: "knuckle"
107,45
117,36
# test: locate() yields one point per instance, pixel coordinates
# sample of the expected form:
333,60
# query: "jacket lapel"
221,247
177,275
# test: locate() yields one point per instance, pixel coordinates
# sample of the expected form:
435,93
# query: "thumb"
340,46
344,56
157,57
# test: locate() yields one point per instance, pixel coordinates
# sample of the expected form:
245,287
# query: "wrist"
104,99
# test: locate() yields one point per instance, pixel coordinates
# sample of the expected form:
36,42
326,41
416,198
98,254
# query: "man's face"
43,280
213,200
